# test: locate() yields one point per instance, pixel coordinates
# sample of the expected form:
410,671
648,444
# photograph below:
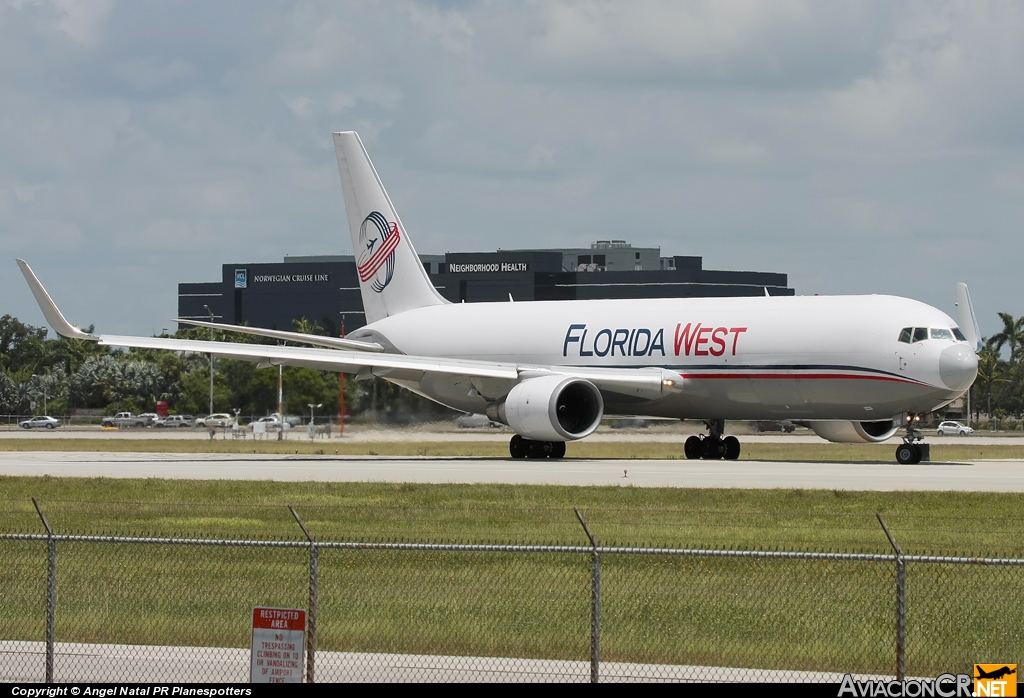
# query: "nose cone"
958,367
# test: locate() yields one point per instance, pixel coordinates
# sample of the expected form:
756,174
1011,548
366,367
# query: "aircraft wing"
344,361
314,339
639,382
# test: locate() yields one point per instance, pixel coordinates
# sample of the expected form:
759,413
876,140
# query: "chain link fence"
135,609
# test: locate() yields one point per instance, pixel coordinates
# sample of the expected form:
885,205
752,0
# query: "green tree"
22,346
991,371
1011,336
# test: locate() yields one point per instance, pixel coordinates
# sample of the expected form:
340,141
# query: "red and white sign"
278,644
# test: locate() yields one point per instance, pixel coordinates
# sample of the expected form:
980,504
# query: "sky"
859,147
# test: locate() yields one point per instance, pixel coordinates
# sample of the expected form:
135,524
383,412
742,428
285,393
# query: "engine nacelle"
551,408
855,432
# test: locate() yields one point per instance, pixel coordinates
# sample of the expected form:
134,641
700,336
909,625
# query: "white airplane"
853,368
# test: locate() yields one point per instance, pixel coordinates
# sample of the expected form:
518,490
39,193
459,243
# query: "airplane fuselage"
804,357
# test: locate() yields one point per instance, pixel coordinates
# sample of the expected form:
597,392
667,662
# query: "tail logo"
378,240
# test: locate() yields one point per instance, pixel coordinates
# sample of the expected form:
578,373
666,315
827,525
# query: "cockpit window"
938,333
959,335
905,334
920,334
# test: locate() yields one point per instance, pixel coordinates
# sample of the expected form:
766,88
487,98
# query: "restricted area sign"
278,641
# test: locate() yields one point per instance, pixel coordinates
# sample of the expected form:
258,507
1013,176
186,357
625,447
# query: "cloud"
451,29
82,20
301,106
862,218
829,141
150,73
735,153
790,44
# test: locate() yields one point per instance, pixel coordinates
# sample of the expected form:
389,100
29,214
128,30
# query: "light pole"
341,390
280,401
211,360
312,423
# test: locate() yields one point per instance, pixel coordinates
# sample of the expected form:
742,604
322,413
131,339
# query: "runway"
979,476
434,433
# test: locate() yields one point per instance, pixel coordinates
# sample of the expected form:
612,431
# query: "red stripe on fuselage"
806,376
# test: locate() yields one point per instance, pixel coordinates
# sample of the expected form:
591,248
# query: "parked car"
272,423
150,418
39,423
174,421
123,419
218,419
954,428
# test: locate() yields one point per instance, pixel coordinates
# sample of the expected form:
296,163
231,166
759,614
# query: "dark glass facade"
325,290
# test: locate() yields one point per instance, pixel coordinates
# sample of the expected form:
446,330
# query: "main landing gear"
713,446
909,452
519,447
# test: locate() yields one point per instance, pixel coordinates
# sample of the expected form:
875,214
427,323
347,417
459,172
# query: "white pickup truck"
124,419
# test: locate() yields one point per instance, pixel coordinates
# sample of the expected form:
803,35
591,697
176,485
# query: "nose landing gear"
519,447
910,452
713,446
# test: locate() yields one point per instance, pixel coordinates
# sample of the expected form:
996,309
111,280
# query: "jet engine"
855,432
551,408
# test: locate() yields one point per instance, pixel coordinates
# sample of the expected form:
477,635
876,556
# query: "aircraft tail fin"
965,316
391,277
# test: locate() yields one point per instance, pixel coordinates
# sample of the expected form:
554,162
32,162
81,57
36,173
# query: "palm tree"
991,370
8,393
307,326
1012,336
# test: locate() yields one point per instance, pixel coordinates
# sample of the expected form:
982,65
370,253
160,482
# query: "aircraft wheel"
692,448
713,448
557,449
731,448
517,447
537,449
908,454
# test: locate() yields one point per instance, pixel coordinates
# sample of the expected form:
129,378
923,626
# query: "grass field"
727,612
964,522
883,453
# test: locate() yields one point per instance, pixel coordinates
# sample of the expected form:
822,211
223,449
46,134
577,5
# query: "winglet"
49,308
966,317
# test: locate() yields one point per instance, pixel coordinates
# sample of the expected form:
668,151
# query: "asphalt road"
74,662
980,476
445,432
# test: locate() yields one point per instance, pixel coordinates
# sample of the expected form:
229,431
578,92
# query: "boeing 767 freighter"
853,368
